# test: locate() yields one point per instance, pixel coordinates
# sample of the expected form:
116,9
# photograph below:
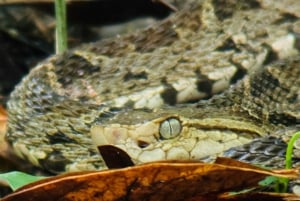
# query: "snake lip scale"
213,76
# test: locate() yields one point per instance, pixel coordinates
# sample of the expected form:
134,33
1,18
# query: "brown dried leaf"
153,181
3,122
257,196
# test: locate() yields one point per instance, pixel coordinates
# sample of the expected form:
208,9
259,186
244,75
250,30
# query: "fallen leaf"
3,122
257,196
4,147
167,181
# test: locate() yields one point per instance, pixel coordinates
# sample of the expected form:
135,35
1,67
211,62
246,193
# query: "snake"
212,76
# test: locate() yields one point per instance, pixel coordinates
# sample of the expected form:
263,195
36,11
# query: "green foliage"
282,184
268,181
289,150
17,179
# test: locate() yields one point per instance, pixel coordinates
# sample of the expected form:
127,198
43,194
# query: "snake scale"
212,76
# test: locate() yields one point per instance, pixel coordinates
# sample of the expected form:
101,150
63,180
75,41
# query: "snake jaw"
131,139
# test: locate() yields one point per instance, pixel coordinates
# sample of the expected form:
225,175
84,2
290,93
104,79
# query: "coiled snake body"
125,91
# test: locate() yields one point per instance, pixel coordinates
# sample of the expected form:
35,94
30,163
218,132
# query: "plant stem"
61,26
282,184
289,150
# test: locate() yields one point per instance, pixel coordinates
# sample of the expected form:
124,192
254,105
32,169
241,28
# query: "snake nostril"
142,144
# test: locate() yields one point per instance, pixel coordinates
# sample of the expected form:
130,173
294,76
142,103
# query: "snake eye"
170,128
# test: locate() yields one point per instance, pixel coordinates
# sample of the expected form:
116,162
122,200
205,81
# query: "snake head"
141,141
173,136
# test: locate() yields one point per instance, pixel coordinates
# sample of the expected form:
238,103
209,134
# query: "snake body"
125,91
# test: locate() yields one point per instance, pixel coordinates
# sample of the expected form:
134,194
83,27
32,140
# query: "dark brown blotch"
259,84
70,67
169,95
155,37
55,162
204,84
239,74
283,119
59,137
271,56
228,45
297,40
286,17
226,8
135,76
